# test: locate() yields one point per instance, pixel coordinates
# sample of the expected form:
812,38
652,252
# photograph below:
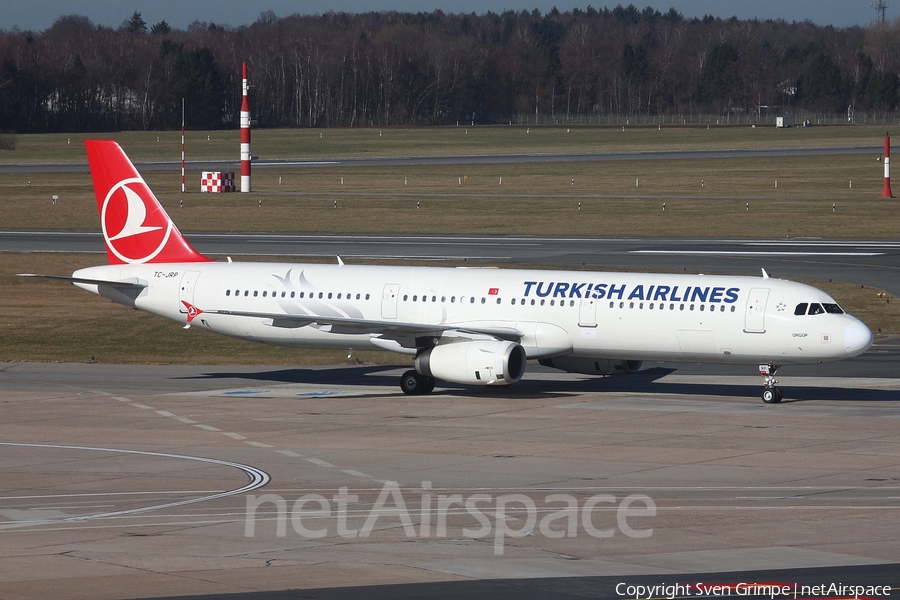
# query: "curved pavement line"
258,479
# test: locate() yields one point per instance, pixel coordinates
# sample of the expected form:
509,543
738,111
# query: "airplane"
475,326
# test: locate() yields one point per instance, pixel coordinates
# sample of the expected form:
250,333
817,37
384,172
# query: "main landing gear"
771,394
415,384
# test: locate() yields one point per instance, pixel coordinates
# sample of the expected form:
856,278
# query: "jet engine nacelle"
592,366
478,362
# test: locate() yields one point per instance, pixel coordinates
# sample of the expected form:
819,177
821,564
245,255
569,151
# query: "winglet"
764,274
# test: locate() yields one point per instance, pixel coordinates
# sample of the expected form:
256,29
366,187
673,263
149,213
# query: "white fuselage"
633,316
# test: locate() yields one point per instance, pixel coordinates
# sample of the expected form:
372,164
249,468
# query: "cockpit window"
801,308
833,309
815,309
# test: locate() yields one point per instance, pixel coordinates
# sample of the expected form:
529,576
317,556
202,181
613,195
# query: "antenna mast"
881,10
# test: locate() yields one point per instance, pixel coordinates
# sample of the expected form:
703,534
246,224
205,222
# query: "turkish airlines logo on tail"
135,227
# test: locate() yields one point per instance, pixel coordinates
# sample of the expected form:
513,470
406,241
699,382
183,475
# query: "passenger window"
801,309
405,297
367,296
498,300
255,293
227,292
264,294
246,293
816,309
292,294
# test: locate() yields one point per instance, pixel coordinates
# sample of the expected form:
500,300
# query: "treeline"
388,68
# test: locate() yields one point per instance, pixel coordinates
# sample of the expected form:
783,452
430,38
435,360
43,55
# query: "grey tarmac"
103,494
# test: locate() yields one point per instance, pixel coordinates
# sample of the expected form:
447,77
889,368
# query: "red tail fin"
135,226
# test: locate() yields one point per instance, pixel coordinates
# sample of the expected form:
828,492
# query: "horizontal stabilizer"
134,284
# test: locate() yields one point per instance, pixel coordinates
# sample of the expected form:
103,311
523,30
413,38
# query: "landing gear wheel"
415,384
771,395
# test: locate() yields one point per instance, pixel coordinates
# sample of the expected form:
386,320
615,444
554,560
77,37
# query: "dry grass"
814,198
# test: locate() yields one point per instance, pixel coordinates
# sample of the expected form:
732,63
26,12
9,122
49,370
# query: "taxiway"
132,481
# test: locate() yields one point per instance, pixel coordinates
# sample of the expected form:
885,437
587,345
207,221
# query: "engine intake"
479,362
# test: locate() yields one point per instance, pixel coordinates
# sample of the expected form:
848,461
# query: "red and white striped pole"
245,133
182,145
887,167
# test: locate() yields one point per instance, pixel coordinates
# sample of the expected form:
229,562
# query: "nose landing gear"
770,394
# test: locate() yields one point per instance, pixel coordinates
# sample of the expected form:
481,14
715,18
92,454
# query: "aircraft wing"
132,284
387,329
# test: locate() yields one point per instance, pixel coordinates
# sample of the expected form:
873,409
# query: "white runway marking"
258,478
354,473
238,436
207,427
754,253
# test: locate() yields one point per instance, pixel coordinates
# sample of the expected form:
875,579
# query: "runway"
382,161
117,480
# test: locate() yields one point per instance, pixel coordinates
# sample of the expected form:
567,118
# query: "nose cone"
857,338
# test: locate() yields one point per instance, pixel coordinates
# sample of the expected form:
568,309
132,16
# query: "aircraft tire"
415,384
771,395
